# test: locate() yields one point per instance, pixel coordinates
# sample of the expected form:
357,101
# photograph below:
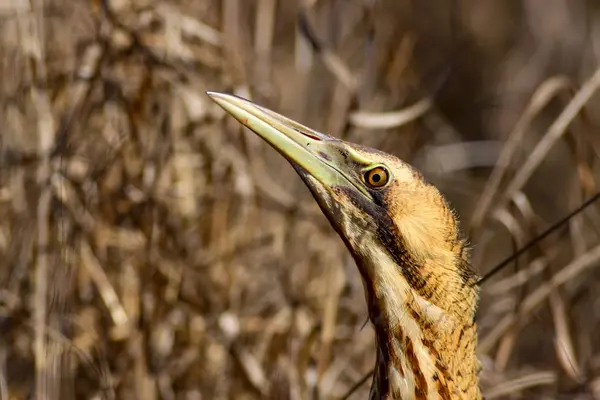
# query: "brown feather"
421,294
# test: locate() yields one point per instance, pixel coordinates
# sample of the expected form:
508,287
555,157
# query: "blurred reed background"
152,249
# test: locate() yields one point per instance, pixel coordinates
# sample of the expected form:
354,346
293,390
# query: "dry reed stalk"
136,217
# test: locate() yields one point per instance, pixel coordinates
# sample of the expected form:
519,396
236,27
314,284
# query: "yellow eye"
377,177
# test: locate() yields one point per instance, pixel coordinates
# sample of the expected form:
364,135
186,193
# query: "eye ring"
377,177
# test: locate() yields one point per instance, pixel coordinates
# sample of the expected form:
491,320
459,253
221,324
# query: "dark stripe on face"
384,228
390,237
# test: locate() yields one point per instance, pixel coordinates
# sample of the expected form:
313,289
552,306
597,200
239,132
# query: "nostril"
306,133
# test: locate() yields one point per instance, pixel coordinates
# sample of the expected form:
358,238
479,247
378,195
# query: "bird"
420,290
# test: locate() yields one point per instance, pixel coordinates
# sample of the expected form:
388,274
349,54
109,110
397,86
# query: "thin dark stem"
357,385
541,237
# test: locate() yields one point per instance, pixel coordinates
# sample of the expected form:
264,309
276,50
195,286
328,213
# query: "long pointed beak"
316,153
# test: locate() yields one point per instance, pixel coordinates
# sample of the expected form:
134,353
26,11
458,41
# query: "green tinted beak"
317,154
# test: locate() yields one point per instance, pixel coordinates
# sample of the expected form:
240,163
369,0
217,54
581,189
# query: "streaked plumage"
420,292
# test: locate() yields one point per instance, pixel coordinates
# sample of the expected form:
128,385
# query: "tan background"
152,249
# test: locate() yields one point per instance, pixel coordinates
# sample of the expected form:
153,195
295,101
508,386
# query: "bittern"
420,291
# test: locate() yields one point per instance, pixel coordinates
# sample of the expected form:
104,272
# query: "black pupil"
376,177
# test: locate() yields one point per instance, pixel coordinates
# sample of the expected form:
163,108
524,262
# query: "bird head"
400,230
421,294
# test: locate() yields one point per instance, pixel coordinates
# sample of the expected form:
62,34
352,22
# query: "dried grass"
152,249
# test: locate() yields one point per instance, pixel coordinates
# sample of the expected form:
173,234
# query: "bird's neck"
426,335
